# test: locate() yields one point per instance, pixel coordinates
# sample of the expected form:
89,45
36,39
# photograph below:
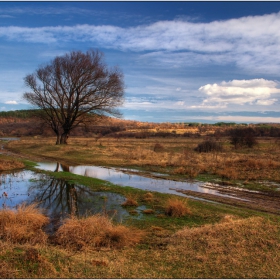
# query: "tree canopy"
73,86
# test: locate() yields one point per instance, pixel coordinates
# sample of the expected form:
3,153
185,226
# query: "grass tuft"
176,207
23,225
148,197
148,211
95,232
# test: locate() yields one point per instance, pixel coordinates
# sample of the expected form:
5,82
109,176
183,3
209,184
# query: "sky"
182,61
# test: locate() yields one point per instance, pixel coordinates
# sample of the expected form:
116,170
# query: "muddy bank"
266,201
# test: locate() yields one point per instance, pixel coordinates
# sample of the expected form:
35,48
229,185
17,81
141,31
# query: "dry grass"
148,211
6,272
230,231
23,225
176,207
178,156
9,164
233,248
95,232
148,197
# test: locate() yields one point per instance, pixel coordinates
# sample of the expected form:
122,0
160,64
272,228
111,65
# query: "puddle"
9,138
57,198
118,177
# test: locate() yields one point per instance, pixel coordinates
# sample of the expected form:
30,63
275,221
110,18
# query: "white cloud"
250,42
266,102
239,92
180,103
11,102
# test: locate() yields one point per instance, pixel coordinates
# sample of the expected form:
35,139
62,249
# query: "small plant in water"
148,197
148,211
130,202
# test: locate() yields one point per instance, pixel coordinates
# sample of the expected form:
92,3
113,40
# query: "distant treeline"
23,123
257,131
21,114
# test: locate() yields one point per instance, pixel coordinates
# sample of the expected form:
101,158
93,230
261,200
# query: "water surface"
58,199
118,177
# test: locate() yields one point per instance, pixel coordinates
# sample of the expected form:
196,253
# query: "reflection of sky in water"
9,138
120,178
16,186
49,166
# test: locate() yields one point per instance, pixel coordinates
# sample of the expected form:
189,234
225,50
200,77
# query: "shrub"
23,225
209,146
95,232
240,137
158,147
176,208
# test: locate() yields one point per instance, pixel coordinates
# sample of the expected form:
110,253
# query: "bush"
176,208
240,137
158,148
209,146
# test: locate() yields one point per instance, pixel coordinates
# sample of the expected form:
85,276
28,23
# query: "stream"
122,177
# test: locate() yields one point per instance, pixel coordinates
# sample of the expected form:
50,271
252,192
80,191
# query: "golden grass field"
190,239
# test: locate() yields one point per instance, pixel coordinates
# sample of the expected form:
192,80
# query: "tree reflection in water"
61,199
58,198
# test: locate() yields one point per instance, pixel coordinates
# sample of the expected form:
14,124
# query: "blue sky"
182,61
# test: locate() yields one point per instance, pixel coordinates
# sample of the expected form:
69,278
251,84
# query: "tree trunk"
57,139
63,138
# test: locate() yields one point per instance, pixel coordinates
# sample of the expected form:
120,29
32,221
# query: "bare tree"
73,87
